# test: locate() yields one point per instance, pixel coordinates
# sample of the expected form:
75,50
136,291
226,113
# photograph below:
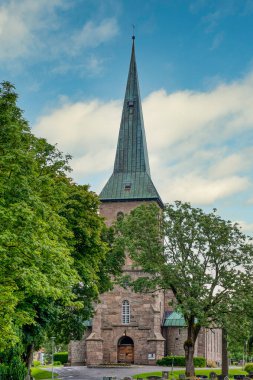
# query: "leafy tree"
35,257
204,260
233,317
54,257
239,318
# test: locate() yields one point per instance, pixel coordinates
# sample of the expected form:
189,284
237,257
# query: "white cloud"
246,227
221,112
199,143
19,23
31,28
91,65
87,130
234,163
199,189
92,35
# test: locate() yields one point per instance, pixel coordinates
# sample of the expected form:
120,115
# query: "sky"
69,61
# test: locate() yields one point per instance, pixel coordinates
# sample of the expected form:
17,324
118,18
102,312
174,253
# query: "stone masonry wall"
146,311
109,210
77,350
94,351
208,343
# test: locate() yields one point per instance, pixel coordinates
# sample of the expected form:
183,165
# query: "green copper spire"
131,175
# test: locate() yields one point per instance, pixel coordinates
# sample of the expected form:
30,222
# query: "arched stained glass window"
125,312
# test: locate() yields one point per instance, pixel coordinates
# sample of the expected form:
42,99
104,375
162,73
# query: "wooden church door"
125,350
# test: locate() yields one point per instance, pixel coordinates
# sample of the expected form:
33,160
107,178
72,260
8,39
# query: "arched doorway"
125,350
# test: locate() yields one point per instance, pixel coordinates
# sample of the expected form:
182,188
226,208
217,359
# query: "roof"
88,323
174,319
126,186
131,178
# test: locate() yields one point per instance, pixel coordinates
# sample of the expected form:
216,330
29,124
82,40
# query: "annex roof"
174,319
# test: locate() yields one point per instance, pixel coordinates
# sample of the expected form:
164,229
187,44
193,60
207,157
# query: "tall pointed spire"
131,175
131,155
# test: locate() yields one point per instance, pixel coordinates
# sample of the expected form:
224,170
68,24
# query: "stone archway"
125,350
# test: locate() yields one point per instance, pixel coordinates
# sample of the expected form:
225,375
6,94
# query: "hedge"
179,361
61,357
248,367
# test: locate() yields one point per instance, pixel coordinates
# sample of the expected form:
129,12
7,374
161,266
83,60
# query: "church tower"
130,183
127,326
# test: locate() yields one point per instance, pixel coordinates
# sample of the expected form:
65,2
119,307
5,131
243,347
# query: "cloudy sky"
69,61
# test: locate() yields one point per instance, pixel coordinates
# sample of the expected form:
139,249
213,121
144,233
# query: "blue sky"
69,61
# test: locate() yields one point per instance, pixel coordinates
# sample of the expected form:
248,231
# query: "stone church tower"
127,326
131,327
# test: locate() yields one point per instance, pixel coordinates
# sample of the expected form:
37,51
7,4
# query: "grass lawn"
39,373
175,374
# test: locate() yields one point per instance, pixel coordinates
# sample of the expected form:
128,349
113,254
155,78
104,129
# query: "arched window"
125,312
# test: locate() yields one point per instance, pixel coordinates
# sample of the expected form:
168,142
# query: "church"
130,327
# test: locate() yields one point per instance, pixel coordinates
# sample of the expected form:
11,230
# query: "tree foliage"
205,261
54,258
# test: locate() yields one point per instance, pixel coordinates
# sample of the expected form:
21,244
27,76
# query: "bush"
248,367
36,363
179,361
48,359
57,362
16,370
199,362
61,357
4,371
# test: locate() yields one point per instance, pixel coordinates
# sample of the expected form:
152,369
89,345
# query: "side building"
134,327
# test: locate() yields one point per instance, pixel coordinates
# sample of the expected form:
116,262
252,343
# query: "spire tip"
133,36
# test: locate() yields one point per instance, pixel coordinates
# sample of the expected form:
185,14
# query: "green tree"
238,317
36,260
54,257
204,260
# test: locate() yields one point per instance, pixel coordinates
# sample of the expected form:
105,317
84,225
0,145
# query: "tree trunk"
189,364
189,345
224,353
29,360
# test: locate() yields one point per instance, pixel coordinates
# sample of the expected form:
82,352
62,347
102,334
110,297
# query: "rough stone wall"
94,351
77,350
176,336
208,343
168,297
146,311
201,346
109,210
